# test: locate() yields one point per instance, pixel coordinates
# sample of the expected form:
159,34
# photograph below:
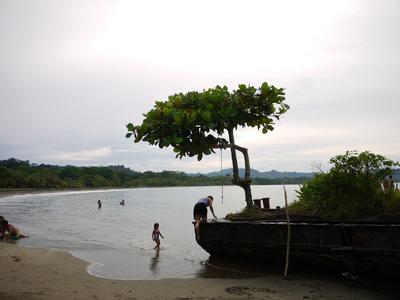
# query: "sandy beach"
5,192
28,273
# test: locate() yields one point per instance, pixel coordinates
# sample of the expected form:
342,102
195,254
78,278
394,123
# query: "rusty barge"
343,246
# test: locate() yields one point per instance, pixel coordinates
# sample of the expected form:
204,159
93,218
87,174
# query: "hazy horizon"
203,172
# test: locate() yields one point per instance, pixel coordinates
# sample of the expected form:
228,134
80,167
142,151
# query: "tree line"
16,173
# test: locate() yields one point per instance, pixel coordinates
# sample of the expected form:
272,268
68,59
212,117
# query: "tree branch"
237,180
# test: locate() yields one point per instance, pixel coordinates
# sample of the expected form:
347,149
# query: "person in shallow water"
1,226
122,202
200,213
98,203
10,232
156,235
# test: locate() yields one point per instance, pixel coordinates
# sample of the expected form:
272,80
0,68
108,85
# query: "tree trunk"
243,183
235,167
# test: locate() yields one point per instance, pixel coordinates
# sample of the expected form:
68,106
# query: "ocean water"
116,239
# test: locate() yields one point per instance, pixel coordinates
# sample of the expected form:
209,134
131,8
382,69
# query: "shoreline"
30,191
6,192
31,273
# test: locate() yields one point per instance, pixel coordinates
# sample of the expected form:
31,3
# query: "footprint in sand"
16,258
245,290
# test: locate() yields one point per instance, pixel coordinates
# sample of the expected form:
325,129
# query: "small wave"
148,245
142,245
95,264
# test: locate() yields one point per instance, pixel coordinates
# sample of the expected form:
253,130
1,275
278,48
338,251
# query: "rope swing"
222,181
288,232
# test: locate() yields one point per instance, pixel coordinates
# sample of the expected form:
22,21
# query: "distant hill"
273,174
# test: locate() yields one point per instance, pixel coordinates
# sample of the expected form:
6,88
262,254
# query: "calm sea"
116,239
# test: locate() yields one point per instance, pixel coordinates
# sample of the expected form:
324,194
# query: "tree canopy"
193,123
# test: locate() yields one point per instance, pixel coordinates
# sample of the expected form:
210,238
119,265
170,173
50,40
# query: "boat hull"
341,246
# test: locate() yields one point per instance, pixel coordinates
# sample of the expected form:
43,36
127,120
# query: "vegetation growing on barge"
351,190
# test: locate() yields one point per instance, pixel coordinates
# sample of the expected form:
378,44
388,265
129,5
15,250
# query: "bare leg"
197,227
157,246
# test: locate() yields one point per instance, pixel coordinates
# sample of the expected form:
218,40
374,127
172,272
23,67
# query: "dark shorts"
201,210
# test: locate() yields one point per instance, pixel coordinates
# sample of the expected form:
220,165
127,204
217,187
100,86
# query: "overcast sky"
74,73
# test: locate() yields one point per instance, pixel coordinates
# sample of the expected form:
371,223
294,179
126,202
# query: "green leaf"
178,140
128,135
265,88
192,117
242,87
177,120
206,115
130,127
166,111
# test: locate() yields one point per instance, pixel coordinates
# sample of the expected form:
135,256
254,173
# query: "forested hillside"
16,173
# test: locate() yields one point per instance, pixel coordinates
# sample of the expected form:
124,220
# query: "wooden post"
288,235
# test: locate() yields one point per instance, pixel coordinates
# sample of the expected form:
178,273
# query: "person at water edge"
98,203
12,234
200,213
388,183
156,235
1,224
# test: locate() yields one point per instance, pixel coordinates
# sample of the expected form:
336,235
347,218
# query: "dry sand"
28,273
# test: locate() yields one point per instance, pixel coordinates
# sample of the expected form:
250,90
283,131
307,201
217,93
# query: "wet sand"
28,273
24,191
12,192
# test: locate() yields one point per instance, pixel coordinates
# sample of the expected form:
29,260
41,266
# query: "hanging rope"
222,181
288,232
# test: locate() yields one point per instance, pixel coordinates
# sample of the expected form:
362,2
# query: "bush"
351,189
391,202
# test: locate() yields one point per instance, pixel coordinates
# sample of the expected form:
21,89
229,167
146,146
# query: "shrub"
391,202
351,189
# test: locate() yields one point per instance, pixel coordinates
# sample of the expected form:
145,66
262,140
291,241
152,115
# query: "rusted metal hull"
342,246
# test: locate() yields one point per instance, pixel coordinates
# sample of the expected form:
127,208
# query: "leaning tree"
194,123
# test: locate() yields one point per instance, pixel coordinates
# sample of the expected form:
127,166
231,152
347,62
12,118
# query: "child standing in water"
156,236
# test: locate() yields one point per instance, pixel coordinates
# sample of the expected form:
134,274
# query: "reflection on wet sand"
228,268
154,262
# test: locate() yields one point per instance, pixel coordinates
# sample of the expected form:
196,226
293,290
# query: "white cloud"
75,72
82,155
